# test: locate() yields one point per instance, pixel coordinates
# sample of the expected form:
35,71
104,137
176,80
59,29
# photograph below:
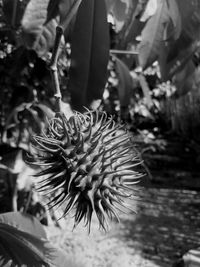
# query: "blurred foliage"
159,42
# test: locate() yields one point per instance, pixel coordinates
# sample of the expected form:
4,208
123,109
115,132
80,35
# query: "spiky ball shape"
89,163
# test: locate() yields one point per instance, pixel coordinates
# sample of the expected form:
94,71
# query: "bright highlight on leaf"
23,243
89,166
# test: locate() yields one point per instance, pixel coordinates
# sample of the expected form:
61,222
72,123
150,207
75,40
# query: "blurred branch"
14,198
115,51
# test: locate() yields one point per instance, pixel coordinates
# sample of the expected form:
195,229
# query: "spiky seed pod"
89,166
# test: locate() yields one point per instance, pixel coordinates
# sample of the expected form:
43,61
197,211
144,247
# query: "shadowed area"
166,226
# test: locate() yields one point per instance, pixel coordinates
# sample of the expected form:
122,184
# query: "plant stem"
68,17
14,198
54,69
53,64
115,51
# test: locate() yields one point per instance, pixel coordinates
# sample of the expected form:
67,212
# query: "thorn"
103,221
53,131
90,195
71,203
89,133
96,117
51,150
73,176
111,208
113,138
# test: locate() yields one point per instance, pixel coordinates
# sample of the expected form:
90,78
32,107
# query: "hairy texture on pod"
89,165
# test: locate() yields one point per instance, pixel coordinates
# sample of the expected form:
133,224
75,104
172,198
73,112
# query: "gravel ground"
166,226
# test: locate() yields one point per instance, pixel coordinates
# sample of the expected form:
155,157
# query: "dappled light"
167,224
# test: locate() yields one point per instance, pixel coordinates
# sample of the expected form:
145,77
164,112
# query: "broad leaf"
36,33
90,53
35,17
67,9
140,8
150,10
61,8
187,79
175,17
20,248
132,27
125,84
46,38
190,15
23,222
152,35
64,7
174,57
176,54
52,9
120,10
